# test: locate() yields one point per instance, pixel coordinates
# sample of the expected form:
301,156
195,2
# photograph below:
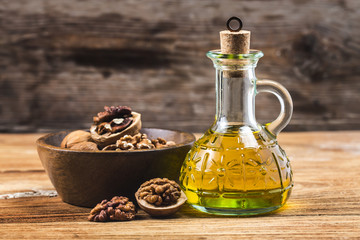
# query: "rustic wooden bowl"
85,178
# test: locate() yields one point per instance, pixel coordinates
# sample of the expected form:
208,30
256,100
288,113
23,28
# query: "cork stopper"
234,40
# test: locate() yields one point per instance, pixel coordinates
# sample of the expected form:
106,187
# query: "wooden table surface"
325,201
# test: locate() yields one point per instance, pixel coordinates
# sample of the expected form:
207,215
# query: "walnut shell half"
107,138
161,211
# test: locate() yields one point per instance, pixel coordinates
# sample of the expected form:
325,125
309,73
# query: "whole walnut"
75,137
85,146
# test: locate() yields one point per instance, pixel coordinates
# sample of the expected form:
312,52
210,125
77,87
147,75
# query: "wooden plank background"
62,61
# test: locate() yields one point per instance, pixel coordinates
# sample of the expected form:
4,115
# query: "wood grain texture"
62,61
325,202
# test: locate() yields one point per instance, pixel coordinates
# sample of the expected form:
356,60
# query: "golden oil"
236,173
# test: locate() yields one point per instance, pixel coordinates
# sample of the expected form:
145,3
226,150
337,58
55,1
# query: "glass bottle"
237,166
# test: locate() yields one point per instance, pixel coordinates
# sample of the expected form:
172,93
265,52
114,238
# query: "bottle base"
236,212
239,203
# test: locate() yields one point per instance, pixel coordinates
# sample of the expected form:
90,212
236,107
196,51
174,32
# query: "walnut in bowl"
114,123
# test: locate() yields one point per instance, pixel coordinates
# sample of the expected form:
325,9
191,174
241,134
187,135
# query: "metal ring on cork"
235,19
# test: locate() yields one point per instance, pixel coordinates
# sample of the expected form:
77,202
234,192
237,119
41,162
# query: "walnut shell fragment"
75,137
117,209
108,138
160,197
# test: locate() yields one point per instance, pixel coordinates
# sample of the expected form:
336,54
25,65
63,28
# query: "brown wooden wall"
62,61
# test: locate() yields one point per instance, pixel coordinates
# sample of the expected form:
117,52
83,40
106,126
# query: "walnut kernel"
117,209
159,192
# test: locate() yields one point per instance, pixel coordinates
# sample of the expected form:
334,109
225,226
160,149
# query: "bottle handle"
285,101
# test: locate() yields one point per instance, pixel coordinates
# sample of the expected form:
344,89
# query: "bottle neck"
235,99
235,91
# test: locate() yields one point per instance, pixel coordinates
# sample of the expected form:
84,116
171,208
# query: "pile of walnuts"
116,128
138,141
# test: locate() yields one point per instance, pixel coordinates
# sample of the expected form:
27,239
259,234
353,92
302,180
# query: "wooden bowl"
85,178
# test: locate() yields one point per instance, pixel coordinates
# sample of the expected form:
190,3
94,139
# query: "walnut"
159,192
114,123
75,137
145,144
119,124
85,146
160,143
161,140
123,145
131,139
117,209
111,113
138,141
103,128
113,120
